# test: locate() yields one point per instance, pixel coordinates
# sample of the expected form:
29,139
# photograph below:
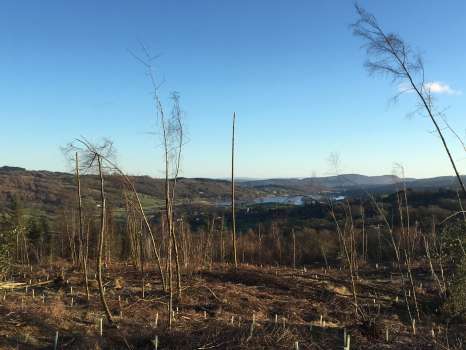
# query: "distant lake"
287,200
297,199
291,200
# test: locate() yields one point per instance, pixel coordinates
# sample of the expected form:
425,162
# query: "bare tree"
233,217
175,133
83,256
103,212
388,54
134,226
346,249
171,128
93,156
138,204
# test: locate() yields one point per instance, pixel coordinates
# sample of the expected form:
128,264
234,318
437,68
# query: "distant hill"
50,192
350,182
436,182
326,183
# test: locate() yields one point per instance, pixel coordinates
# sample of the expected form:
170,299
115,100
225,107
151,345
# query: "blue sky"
291,70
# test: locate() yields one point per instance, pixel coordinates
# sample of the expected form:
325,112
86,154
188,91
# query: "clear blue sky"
291,70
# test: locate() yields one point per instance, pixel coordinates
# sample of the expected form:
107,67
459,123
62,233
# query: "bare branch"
389,55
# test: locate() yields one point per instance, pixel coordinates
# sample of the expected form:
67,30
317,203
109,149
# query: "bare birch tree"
93,156
171,128
390,55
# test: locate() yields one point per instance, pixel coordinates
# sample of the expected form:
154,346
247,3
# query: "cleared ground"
251,308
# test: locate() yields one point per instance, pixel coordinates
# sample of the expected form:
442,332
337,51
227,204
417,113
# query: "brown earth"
217,310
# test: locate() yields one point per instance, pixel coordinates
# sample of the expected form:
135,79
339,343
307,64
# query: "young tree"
136,203
103,212
233,217
82,255
93,156
171,128
388,54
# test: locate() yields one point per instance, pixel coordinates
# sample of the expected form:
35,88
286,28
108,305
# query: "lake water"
291,200
287,200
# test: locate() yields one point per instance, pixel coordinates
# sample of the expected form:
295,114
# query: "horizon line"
240,178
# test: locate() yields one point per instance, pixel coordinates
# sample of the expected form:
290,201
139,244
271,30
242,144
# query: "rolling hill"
49,191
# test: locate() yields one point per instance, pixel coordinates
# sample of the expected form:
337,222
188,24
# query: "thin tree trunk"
432,270
413,288
348,257
101,242
146,221
222,244
429,112
233,219
170,282
81,228
141,257
177,263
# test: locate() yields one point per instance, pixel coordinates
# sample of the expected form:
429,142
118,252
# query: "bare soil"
222,308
